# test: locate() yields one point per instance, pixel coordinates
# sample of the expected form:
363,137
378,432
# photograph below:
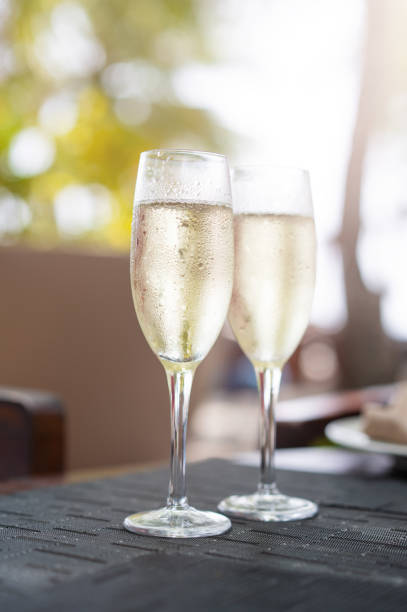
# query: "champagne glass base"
272,507
177,522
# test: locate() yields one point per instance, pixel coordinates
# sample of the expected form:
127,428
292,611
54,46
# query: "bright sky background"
287,85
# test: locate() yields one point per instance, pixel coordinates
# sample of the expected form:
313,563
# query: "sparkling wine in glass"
181,270
274,277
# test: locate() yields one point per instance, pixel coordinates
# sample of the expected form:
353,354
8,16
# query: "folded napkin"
387,423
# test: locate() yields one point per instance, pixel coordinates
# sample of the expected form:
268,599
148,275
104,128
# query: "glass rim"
191,152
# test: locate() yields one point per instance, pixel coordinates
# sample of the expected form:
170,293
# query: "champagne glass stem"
179,384
268,382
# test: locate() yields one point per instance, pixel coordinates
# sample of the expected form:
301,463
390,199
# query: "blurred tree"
367,354
85,86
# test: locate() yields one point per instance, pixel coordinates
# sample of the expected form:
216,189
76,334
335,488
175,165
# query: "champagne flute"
274,277
181,270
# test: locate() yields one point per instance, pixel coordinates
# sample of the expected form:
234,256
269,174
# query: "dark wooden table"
63,547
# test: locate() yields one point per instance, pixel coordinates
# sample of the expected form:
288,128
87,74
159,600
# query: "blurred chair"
31,433
67,323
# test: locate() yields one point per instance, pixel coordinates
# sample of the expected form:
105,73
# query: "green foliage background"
100,148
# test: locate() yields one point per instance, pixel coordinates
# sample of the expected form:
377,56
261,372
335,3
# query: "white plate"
348,432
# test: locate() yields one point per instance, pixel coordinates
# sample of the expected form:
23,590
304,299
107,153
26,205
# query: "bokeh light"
68,47
15,215
82,208
58,114
31,152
